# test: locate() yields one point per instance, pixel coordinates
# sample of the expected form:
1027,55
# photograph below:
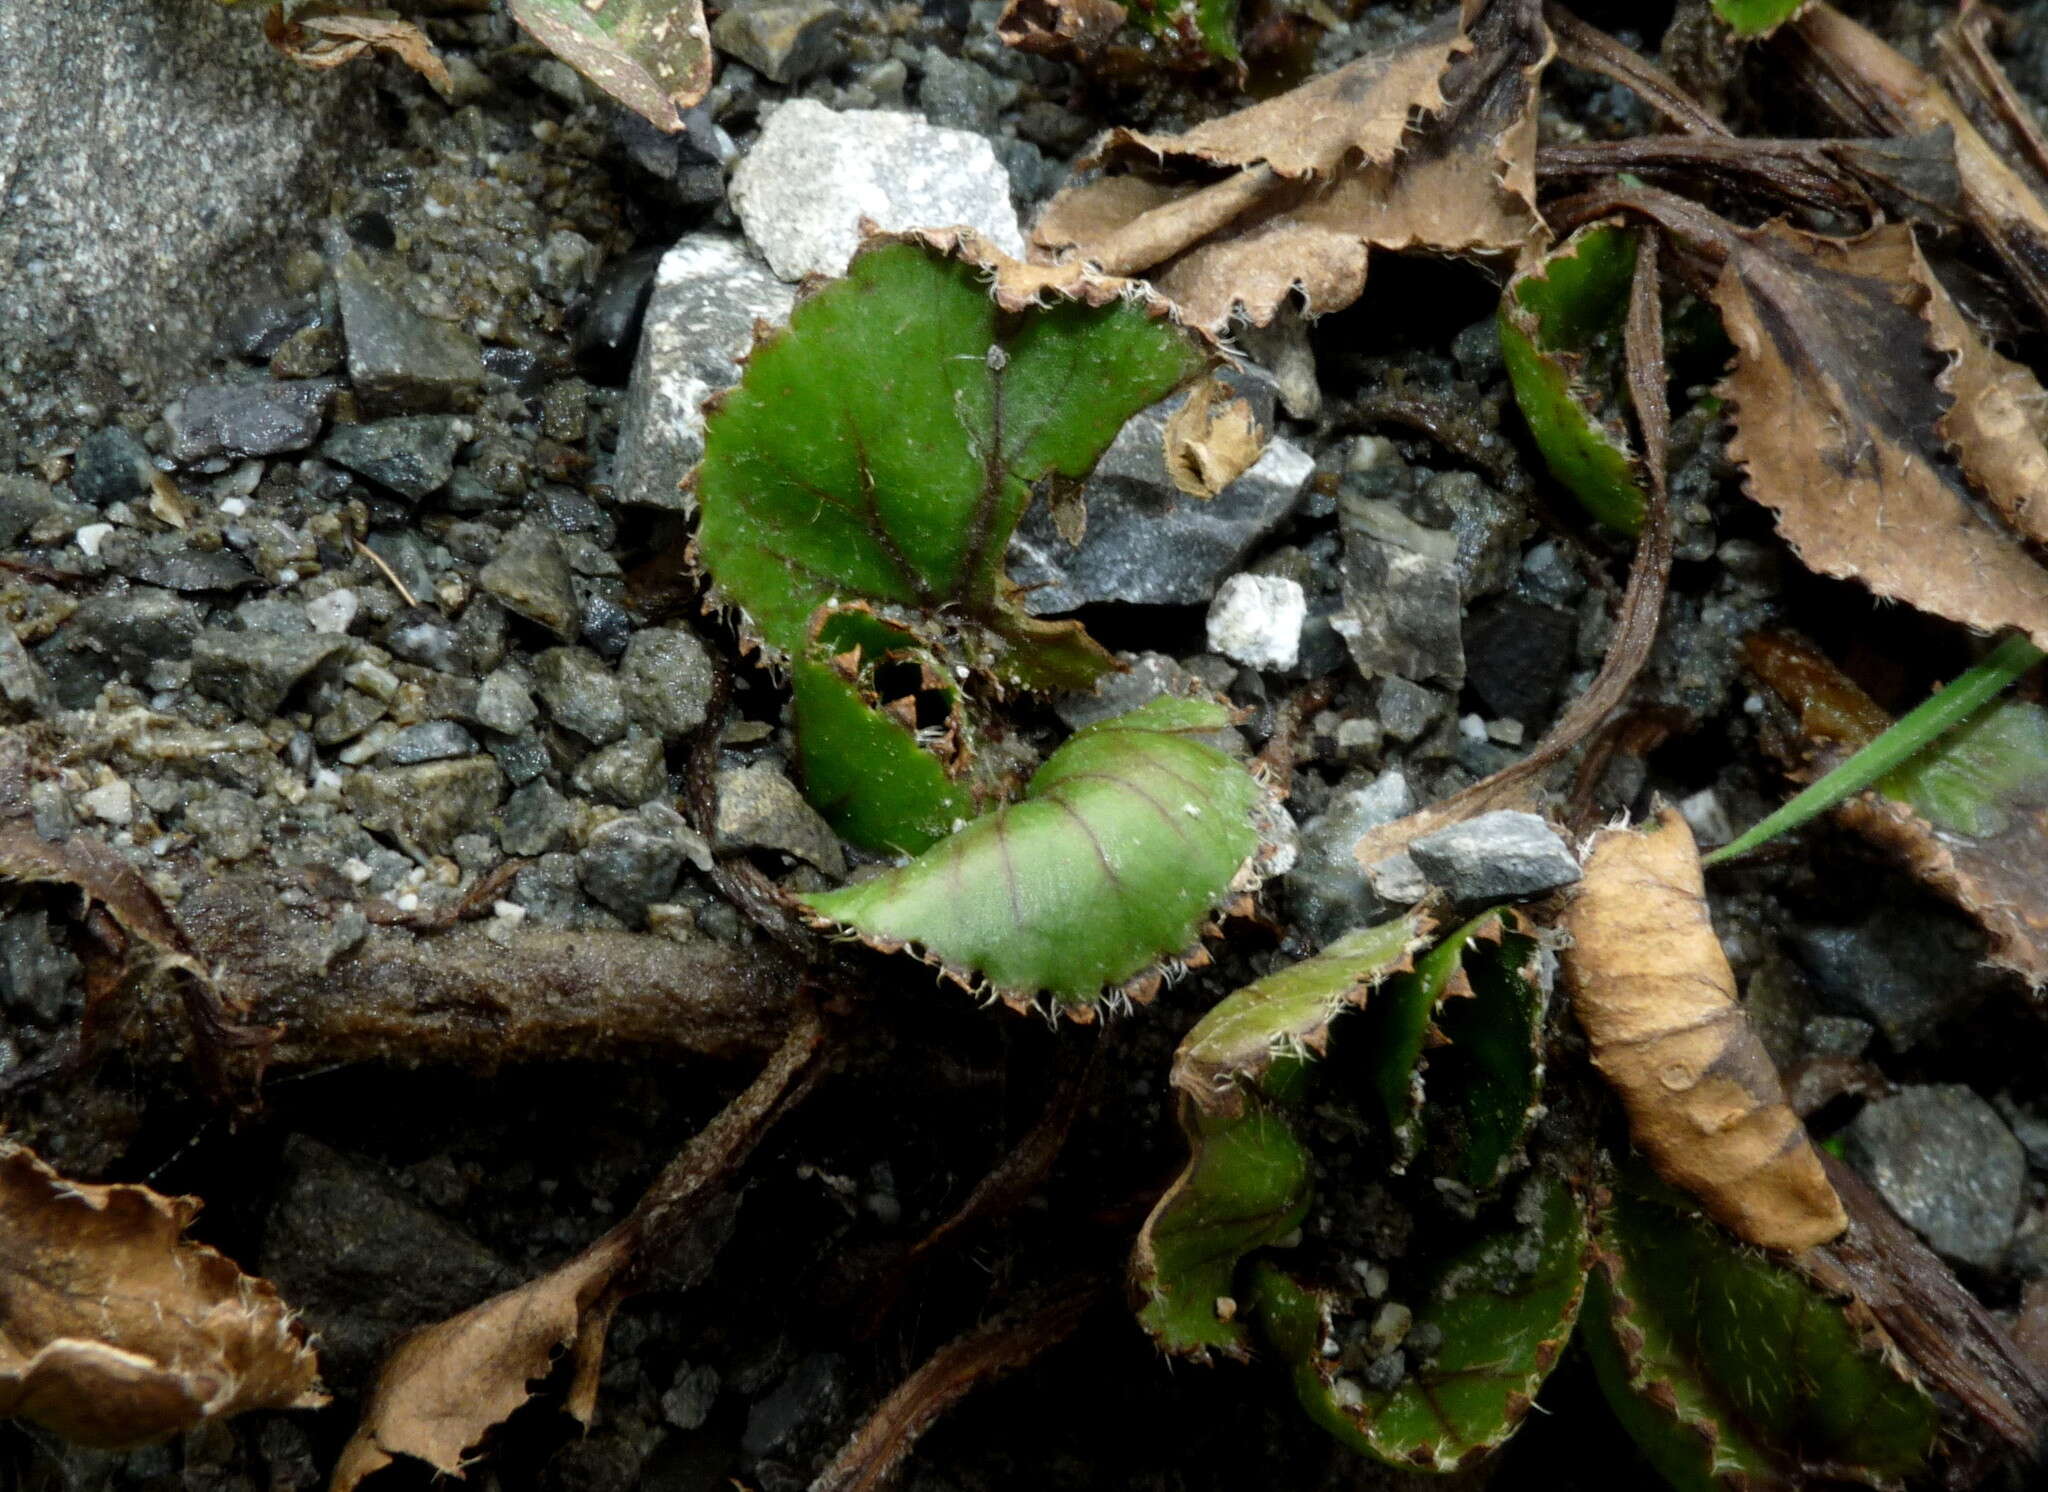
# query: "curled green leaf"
1397,1029
1288,1012
1198,31
653,56
1561,325
1754,18
1246,1185
1730,1370
1484,1083
1498,1313
1126,842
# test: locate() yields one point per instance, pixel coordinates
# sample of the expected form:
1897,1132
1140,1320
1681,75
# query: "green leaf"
1246,1185
1561,328
879,779
1483,1087
1201,31
1976,781
1729,1369
1397,1026
1748,18
1911,734
1128,838
1504,1308
883,446
1288,1012
653,56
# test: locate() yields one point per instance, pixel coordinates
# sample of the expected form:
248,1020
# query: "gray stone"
41,975
504,702
523,757
1947,1164
227,822
1256,620
1406,709
535,820
1836,1036
957,94
1146,542
427,806
1326,886
631,863
1147,676
257,325
117,636
803,189
530,574
627,772
398,360
783,40
23,684
1499,856
759,810
255,671
111,466
708,292
1402,601
424,637
413,455
365,1261
666,678
1490,525
429,741
581,694
247,419
308,353
154,152
687,1404
178,567
30,511
1899,970
809,1397
2029,1127
1517,656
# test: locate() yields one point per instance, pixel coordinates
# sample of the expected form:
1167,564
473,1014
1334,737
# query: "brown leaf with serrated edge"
1656,997
115,1331
445,1386
320,39
1839,420
1211,440
1429,145
2000,878
1071,30
1871,89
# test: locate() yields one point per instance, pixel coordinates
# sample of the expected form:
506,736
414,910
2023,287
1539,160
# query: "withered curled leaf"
1426,145
327,37
1071,30
116,1331
1842,427
1211,440
1656,997
445,1386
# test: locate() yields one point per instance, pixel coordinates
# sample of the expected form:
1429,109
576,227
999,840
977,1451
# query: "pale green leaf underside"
1505,1306
1288,1011
1752,18
1127,839
653,56
1724,1364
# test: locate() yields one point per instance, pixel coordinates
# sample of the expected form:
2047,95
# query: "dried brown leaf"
1871,89
1429,145
321,41
1656,997
1211,440
116,1331
448,1384
1071,30
1839,423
